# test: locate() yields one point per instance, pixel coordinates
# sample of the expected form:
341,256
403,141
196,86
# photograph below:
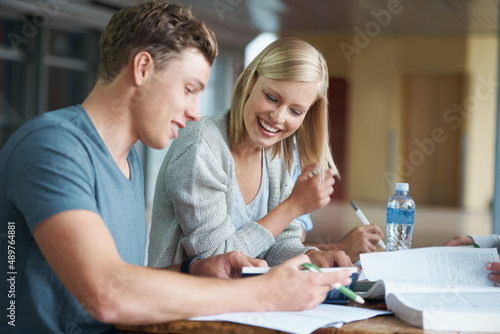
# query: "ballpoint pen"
365,221
337,286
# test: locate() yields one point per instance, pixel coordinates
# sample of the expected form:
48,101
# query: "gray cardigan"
195,197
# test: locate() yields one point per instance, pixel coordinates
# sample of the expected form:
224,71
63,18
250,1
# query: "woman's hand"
310,193
226,265
460,240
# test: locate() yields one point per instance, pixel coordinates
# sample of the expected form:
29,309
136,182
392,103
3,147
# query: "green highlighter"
346,291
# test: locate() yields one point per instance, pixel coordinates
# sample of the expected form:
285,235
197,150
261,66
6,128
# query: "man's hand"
327,259
287,288
227,265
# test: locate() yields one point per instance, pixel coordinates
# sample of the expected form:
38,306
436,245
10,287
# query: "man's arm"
88,264
82,253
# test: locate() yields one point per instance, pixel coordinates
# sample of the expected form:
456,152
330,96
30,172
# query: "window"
12,80
12,102
49,70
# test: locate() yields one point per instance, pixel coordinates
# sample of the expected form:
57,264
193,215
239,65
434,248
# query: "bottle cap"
402,186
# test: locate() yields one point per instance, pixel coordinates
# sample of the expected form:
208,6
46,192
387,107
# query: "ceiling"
238,21
444,17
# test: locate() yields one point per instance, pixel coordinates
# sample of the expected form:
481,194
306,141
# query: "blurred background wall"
413,86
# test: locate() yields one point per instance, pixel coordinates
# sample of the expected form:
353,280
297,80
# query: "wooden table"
378,325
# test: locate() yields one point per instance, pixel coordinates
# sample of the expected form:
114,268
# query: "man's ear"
143,67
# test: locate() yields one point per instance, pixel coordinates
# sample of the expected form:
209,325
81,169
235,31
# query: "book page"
439,265
380,288
455,267
438,287
451,301
424,287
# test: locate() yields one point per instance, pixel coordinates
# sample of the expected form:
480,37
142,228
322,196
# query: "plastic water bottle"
400,219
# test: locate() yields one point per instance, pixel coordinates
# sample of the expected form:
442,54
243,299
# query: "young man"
72,203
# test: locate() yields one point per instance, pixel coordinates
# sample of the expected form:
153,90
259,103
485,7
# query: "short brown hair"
162,29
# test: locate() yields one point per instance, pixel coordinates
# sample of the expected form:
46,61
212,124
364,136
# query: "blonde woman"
233,189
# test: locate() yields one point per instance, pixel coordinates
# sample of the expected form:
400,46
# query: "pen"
337,286
365,221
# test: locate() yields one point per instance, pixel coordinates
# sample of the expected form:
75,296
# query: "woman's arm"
227,265
287,245
282,194
309,194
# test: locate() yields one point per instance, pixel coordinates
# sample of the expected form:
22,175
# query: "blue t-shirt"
54,163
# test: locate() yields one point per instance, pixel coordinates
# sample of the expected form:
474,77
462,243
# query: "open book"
437,288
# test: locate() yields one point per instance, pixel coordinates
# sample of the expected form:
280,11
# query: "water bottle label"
400,216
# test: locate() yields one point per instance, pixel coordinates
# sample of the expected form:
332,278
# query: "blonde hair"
289,59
